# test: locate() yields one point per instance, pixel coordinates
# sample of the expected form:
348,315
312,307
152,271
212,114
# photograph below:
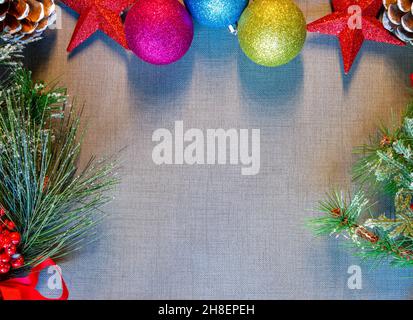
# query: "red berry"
15,238
11,250
2,212
4,268
6,241
4,258
9,224
18,262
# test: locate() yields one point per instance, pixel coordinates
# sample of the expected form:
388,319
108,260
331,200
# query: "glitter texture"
98,15
159,31
272,32
216,13
340,24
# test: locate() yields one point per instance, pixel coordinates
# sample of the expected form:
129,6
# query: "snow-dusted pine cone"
398,18
23,20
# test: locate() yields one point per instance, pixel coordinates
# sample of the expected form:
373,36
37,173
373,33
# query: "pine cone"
398,18
23,20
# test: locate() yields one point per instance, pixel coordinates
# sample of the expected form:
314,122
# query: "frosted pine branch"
10,53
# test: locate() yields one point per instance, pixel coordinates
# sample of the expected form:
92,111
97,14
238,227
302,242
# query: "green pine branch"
54,203
385,165
341,217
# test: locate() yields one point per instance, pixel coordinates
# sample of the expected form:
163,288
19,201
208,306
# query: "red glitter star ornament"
98,15
354,21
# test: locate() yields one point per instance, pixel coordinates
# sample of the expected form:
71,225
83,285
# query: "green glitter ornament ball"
272,32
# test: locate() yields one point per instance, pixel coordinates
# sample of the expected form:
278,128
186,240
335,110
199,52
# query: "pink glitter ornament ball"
159,31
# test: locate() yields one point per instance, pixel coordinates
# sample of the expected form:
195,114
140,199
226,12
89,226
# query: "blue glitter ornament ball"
216,13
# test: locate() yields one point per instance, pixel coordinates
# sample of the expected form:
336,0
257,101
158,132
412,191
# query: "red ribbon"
25,288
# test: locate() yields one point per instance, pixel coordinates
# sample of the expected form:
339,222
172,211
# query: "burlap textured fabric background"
207,232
